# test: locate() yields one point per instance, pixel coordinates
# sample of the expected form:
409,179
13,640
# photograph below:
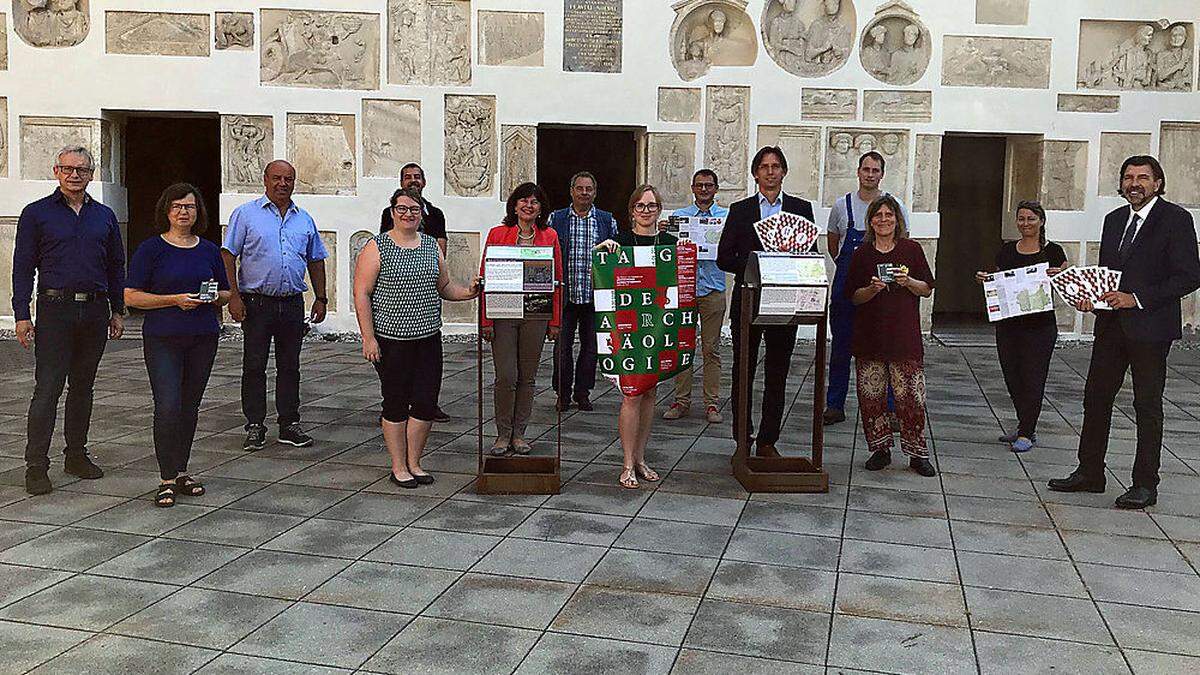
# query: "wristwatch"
323,301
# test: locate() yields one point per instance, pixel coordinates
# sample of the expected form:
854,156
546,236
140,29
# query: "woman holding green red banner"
637,412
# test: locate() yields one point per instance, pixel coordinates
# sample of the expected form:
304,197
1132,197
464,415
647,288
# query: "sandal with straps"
628,479
165,497
645,472
188,486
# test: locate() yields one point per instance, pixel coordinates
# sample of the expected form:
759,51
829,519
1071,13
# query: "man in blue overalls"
846,227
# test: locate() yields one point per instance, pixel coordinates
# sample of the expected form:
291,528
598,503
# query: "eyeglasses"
705,186
402,210
81,171
648,207
184,207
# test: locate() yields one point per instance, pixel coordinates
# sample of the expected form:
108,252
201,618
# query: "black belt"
72,295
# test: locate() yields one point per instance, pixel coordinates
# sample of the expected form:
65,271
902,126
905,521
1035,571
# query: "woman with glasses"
178,279
637,412
400,280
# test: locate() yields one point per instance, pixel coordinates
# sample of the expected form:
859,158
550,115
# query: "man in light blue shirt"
710,302
277,243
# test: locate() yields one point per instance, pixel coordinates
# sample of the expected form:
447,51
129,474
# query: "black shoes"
878,460
440,415
922,466
423,478
82,466
37,482
256,438
292,434
1076,482
583,402
409,484
833,416
1137,498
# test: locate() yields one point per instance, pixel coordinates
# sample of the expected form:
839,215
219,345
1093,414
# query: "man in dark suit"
738,240
1153,243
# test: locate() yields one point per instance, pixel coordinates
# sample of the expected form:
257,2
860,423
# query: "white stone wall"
87,82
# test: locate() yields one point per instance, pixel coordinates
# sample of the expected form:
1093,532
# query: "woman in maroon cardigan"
888,276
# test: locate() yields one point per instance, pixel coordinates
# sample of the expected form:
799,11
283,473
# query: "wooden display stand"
779,474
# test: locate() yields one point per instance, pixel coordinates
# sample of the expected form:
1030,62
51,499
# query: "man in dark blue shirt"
74,244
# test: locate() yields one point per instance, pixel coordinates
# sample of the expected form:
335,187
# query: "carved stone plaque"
974,61
809,38
429,42
321,147
1115,148
462,263
326,50
1002,12
235,31
678,104
670,159
927,174
329,239
802,147
1139,55
890,105
727,135
511,38
358,241
518,157
156,33
828,104
1064,175
57,23
43,137
1179,151
844,146
470,145
1064,314
247,145
592,36
895,45
1089,103
3,137
391,136
710,33
3,42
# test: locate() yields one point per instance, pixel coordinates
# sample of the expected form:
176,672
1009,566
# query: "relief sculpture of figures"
809,38
429,42
976,61
727,129
51,23
895,46
711,33
1130,55
470,145
235,30
247,144
333,50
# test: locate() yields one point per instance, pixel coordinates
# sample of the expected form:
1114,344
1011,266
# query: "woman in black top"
1026,343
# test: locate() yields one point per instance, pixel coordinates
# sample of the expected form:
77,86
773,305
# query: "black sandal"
188,486
165,498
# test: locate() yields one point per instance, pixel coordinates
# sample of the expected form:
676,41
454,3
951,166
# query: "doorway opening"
609,153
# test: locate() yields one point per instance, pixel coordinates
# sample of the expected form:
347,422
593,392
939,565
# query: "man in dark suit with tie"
1153,243
738,240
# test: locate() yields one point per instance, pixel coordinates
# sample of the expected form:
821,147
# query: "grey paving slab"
1000,654
19,582
235,528
897,529
899,560
236,664
71,548
898,647
293,500
143,517
119,654
653,572
772,633
578,654
1154,554
201,618
276,574
623,614
1013,573
549,560
1025,614
1007,539
571,526
445,647
335,538
505,601
1152,629
57,511
665,536
383,586
434,548
773,585
793,518
337,636
26,645
1147,588
699,662
909,503
384,509
169,561
86,603
900,600
778,548
1148,663
459,516
610,500
693,508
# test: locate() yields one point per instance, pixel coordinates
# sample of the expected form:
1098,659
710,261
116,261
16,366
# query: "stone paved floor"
309,561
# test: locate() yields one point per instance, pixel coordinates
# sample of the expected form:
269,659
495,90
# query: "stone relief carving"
710,33
974,61
1115,147
462,264
391,136
1151,56
670,162
247,144
592,36
156,33
235,30
927,174
802,146
1064,314
895,45
897,106
1002,12
51,23
518,157
1179,151
828,104
331,274
1088,103
809,38
511,38
1064,176
3,42
328,50
470,145
321,147
3,137
845,145
727,135
358,241
42,137
678,104
429,42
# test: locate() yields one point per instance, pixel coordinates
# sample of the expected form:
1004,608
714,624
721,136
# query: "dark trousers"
1025,360
571,376
410,377
1112,354
278,320
179,367
781,340
68,344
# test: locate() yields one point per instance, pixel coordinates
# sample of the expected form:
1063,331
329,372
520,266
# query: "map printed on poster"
1017,292
704,232
518,282
646,314
1075,284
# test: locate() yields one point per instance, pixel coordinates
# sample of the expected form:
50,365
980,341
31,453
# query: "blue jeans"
179,366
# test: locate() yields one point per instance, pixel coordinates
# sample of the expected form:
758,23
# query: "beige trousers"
712,317
516,353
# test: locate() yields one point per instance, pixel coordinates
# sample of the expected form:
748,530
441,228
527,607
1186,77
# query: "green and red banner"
645,313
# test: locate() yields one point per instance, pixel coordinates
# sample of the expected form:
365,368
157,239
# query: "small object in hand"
208,291
884,272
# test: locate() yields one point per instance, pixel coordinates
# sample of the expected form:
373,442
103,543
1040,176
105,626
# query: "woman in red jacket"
517,343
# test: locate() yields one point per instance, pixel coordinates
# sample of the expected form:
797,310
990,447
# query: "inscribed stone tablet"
592,36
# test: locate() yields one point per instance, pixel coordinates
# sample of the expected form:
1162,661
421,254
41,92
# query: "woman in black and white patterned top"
400,279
